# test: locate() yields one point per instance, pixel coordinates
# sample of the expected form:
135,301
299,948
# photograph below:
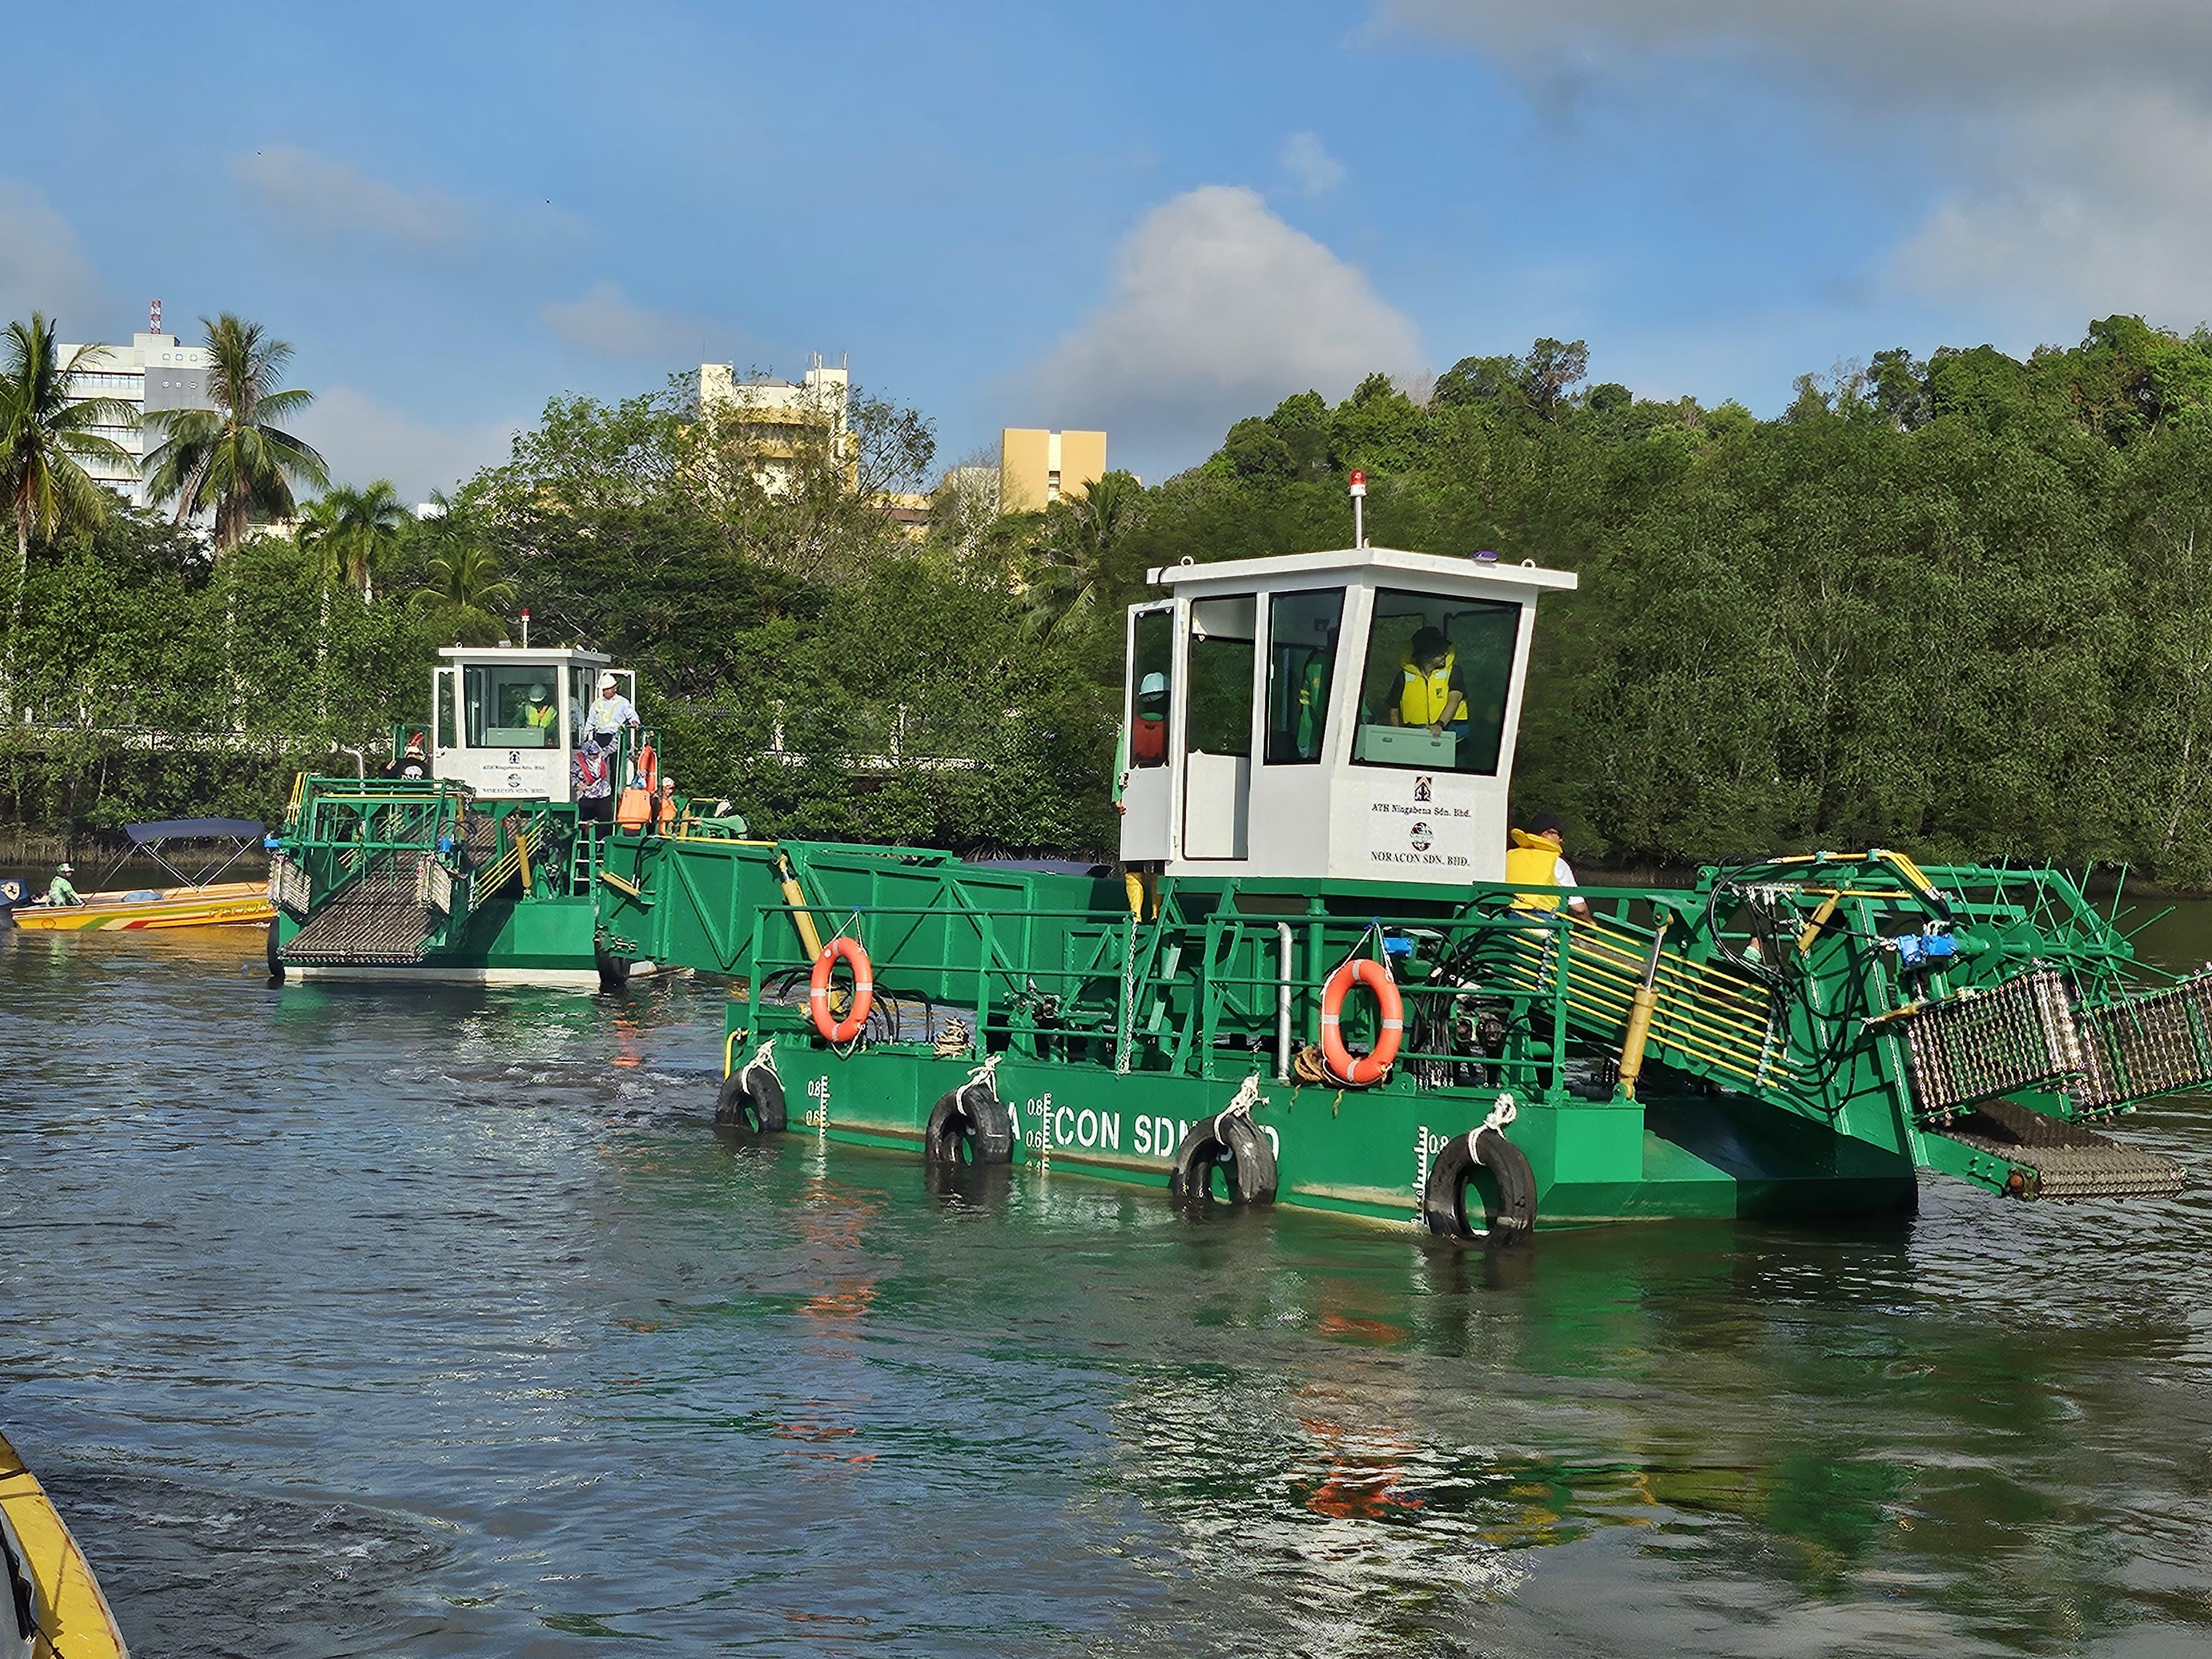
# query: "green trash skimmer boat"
1321,987
1335,998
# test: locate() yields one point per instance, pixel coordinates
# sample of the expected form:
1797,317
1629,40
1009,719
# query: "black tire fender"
752,1099
614,971
1507,1219
276,952
968,1125
1231,1143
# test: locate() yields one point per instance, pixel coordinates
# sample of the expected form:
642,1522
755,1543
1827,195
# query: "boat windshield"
511,706
1439,670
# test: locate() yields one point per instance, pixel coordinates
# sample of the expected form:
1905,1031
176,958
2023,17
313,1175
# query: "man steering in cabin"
541,714
1431,693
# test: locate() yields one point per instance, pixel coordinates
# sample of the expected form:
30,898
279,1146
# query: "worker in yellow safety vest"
1538,856
1429,693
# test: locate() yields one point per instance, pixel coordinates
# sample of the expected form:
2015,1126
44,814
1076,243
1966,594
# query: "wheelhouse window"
1151,655
1432,695
1221,647
1302,631
511,706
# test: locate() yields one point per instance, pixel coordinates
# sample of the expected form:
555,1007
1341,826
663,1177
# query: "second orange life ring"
1370,1069
864,990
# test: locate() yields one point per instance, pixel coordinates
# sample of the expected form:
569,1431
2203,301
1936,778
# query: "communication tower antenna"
153,317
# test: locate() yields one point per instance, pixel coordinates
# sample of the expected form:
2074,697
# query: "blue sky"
1154,218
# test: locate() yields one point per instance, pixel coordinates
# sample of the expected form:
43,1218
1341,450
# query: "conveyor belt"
378,920
2068,1160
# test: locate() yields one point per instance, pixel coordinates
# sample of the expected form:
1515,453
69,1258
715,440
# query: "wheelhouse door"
1146,780
1218,695
445,722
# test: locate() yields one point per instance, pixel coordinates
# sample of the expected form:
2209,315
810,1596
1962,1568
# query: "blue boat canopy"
195,829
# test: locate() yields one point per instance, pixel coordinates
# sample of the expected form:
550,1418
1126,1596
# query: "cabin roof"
1455,568
550,655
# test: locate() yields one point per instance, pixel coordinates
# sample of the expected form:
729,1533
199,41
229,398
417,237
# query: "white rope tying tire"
986,1074
1246,1096
763,1057
1500,1114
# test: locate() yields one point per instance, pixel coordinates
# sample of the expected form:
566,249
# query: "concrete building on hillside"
155,371
1037,468
782,420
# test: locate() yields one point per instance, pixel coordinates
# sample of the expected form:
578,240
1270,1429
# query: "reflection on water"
347,1319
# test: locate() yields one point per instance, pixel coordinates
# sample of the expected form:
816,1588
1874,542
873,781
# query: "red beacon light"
1358,516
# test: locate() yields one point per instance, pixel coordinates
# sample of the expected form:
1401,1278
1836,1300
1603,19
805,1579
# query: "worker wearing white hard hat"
611,711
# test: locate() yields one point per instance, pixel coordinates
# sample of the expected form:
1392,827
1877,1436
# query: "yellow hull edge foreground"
68,1618
224,905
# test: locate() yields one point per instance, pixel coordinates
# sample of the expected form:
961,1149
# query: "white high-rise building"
780,419
155,371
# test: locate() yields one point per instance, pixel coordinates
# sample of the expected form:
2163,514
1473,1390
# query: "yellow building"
1037,468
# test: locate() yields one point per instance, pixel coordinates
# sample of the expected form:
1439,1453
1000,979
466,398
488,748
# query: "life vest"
1534,860
539,714
1424,697
1148,741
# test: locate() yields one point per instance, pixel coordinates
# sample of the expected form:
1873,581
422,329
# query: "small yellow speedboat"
52,1608
200,900
223,904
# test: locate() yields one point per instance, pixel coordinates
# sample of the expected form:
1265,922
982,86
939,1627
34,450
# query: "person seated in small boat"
413,765
1538,855
61,890
541,714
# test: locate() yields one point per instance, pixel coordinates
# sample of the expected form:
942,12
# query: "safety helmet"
607,681
1152,686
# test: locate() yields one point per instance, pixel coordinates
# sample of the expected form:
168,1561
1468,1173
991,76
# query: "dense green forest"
1954,605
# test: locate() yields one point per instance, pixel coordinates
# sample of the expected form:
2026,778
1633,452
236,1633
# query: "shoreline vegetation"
1955,606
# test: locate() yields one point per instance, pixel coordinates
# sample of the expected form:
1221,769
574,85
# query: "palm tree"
467,595
233,458
355,533
46,436
1076,572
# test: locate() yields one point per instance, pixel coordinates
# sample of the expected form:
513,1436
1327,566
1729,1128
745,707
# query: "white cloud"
42,267
361,439
1310,166
2105,205
2069,143
322,194
1972,49
321,199
1218,308
603,320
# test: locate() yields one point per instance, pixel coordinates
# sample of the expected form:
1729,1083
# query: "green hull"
1112,1036
529,941
1363,1154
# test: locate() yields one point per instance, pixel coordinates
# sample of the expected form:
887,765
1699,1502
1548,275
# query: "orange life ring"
864,990
1361,970
647,769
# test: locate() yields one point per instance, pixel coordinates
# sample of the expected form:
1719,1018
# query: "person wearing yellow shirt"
1429,693
1539,857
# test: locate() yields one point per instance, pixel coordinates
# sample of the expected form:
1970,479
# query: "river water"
344,1321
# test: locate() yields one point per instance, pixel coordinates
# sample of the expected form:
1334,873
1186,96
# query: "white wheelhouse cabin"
484,732
1266,716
